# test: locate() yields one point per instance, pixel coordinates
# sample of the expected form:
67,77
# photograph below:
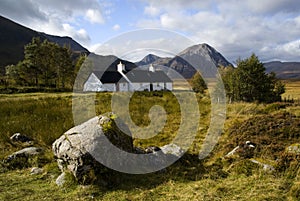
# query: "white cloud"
55,17
152,11
235,28
135,45
94,16
116,27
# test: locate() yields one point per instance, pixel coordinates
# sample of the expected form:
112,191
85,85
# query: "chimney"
151,68
121,67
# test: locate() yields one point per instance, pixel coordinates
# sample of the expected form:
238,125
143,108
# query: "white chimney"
151,68
121,67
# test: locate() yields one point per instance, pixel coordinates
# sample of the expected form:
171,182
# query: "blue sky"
269,28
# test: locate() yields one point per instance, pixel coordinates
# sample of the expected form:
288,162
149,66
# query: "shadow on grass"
187,168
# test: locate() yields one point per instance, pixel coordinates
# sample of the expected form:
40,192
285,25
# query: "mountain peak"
149,59
206,51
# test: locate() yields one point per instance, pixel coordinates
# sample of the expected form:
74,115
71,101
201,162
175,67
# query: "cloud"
152,11
271,29
116,27
94,16
55,17
78,35
24,11
135,45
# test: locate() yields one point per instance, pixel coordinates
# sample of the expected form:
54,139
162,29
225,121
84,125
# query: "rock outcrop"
76,149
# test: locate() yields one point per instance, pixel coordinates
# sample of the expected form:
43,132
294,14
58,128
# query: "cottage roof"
133,76
147,76
109,76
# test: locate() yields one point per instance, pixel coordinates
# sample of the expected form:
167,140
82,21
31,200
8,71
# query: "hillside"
180,62
14,36
284,70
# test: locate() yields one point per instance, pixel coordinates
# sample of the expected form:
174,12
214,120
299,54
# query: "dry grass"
46,116
292,90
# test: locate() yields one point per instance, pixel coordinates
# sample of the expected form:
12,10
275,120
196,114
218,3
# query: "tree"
249,82
198,84
45,64
32,59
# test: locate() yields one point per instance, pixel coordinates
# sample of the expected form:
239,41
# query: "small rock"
152,149
244,150
172,149
266,167
61,179
293,149
24,153
36,170
139,150
232,152
18,137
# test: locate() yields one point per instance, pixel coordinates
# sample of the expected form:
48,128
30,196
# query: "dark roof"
109,76
147,76
133,76
159,76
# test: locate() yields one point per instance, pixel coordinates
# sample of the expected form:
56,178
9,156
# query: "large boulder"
76,149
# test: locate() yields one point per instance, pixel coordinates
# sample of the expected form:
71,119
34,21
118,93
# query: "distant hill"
14,36
108,63
201,52
149,59
284,70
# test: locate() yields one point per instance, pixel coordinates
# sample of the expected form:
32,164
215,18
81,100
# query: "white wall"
158,86
169,86
136,86
108,87
123,86
92,84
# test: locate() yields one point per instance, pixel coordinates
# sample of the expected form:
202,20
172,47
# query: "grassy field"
292,90
45,117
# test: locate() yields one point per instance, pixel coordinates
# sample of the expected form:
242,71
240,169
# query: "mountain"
108,63
149,59
14,36
284,70
193,56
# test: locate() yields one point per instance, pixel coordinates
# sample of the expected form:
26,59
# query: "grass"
19,185
44,117
292,90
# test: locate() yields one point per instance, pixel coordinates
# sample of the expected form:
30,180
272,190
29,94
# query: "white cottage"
135,80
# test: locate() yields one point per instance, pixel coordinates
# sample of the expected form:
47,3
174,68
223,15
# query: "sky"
235,28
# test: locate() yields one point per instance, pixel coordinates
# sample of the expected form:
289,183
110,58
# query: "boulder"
77,149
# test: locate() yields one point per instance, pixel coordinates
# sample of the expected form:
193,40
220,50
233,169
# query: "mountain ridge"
180,62
14,36
284,70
